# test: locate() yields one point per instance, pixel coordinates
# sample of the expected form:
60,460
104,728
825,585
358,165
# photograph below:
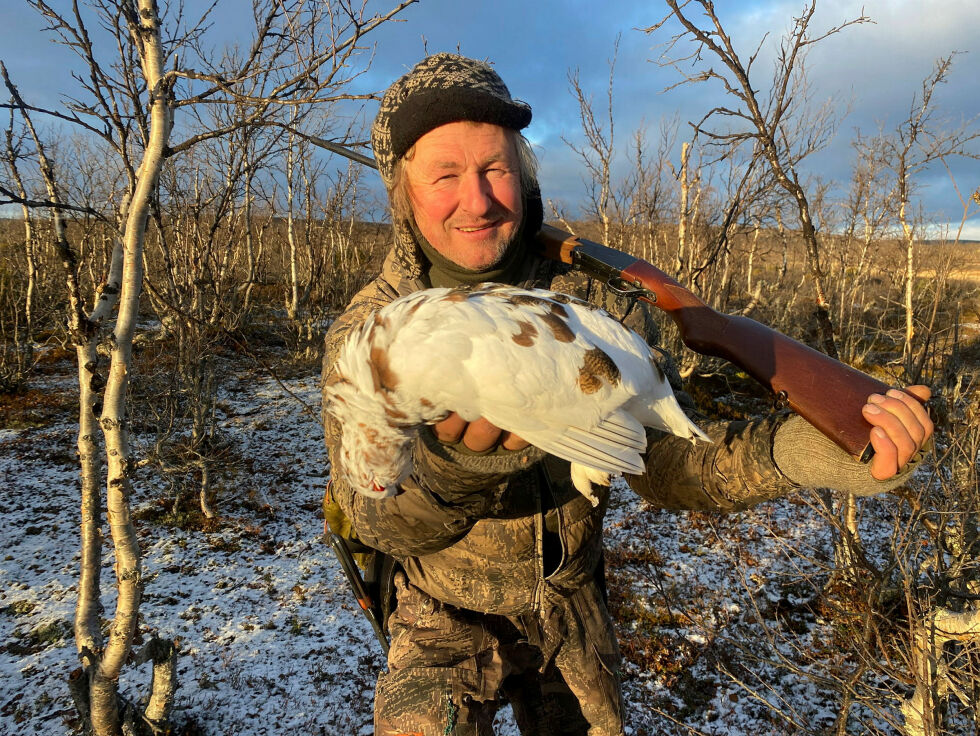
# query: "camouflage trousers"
449,669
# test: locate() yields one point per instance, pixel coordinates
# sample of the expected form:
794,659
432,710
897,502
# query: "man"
501,590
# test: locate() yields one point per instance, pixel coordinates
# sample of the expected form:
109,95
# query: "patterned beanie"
441,89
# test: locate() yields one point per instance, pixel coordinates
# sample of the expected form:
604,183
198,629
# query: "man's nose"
476,195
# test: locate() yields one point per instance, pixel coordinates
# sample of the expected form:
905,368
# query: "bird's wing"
614,445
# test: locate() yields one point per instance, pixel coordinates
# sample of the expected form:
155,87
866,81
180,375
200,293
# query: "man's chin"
480,258
484,264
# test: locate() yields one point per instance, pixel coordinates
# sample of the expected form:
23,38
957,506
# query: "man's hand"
478,436
901,426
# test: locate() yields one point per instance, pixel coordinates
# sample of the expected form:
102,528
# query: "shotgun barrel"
364,600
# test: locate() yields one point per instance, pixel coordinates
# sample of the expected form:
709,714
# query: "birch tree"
130,102
83,329
775,122
919,141
15,364
597,153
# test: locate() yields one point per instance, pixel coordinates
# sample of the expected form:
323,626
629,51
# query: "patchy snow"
272,642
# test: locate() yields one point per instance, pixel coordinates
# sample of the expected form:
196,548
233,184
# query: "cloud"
873,69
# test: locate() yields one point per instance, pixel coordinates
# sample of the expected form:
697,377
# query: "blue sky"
872,70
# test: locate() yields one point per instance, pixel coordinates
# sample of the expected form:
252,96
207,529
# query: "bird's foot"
583,477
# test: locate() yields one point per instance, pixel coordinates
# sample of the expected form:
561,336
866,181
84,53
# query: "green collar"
444,272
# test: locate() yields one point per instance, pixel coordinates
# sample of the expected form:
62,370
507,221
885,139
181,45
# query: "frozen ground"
271,641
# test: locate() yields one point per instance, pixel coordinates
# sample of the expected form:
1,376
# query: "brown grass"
35,408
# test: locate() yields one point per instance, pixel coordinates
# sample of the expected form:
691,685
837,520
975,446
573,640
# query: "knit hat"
440,89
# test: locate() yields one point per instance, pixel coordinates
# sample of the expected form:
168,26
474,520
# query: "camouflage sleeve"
450,487
732,472
751,462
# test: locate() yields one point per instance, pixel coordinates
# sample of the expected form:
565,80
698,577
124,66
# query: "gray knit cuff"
809,459
453,471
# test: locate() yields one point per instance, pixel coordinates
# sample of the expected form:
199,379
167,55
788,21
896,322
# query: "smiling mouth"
477,228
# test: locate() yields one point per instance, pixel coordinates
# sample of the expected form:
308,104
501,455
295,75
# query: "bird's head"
375,457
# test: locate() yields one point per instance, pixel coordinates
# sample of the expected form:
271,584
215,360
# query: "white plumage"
554,370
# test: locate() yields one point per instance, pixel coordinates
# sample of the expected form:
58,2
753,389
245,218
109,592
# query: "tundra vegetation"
179,226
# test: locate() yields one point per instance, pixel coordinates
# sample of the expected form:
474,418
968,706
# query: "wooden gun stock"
824,391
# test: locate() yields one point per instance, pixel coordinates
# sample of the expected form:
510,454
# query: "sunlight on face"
465,188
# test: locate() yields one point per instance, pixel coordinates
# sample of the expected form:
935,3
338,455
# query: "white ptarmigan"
554,370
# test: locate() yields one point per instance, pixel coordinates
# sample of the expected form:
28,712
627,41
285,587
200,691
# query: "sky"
870,73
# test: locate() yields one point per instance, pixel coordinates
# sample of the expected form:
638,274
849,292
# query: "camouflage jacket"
505,532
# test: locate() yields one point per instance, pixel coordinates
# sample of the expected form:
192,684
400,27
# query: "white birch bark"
682,220
250,255
30,247
909,239
292,304
929,666
752,250
104,701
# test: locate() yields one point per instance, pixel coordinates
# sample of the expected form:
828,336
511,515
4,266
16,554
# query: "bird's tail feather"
613,446
666,414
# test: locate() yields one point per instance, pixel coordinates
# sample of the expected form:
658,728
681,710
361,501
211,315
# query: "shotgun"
824,391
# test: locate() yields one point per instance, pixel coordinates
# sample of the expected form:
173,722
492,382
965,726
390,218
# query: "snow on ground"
272,642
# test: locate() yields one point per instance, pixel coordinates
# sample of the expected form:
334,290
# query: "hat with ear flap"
440,89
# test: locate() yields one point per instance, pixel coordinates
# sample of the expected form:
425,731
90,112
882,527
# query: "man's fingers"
913,414
917,408
908,412
510,441
450,429
901,426
884,464
478,436
481,435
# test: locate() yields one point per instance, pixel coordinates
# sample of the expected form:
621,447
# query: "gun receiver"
824,391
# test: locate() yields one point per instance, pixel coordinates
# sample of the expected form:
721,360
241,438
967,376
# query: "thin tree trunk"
163,654
752,250
88,610
784,262
30,249
682,220
249,241
850,559
104,685
809,234
31,253
84,334
292,306
909,236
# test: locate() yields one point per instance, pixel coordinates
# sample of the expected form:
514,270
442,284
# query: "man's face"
464,185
